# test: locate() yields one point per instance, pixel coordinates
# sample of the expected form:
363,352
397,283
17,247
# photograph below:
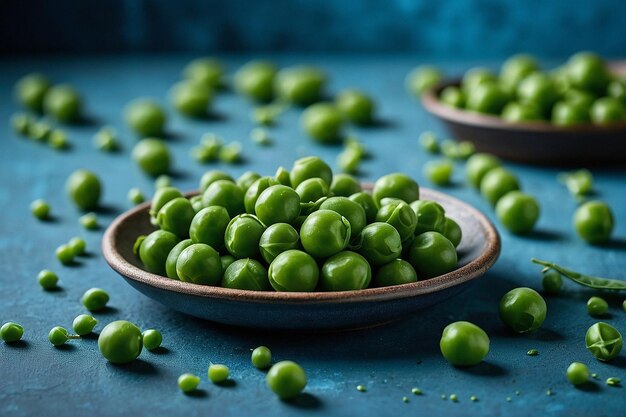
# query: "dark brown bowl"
478,251
531,142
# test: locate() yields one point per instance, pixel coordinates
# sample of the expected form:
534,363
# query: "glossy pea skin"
152,339
366,201
322,122
588,72
176,217
218,373
120,342
286,379
431,254
422,78
64,254
161,197
282,176
89,221
356,106
261,357
607,110
246,274
523,309
188,383
477,76
145,117
518,212
95,299
312,189
344,185
84,324
191,98
310,167
603,341
276,239
155,248
380,243
206,71
396,272
325,233
63,103
551,282
209,225
597,306
486,98
569,114
77,245
577,373
452,96
226,194
277,204
452,231
199,264
301,85
59,335
254,191
516,68
438,172
431,216
40,209
211,176
11,332
84,189
172,257
593,222
521,112
247,179
47,279
401,216
345,271
30,91
477,167
255,80
396,185
348,209
242,236
227,261
537,89
464,344
135,196
152,156
496,183
294,271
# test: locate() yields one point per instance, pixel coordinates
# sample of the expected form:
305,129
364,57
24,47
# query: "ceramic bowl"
478,251
531,142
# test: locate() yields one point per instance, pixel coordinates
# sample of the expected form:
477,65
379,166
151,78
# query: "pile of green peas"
302,230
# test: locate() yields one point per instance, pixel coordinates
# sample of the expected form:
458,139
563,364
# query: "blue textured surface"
461,28
37,379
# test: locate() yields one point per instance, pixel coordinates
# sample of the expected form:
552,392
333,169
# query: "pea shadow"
589,386
87,121
618,362
543,234
305,401
88,255
616,244
108,209
380,123
229,383
161,351
483,369
107,310
51,219
138,366
173,136
197,393
19,344
90,336
541,334
67,347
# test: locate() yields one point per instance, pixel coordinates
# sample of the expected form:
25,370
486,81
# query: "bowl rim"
432,104
468,272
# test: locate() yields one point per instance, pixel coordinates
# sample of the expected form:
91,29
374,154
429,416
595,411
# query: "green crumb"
416,391
454,398
473,398
613,381
532,352
517,392
443,396
508,399
549,392
361,388
260,137
595,376
405,399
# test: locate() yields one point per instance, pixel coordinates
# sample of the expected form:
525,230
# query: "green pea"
11,332
176,216
188,383
199,264
345,185
227,260
522,309
254,191
155,248
22,123
162,181
539,90
57,139
325,233
106,140
40,209
356,106
63,103
282,176
452,96
209,151
422,78
77,245
172,257
152,339
396,272
431,254
231,153
191,98
39,131
47,279
579,97
152,156
586,71
59,336
345,271
84,324
276,239
579,183
247,179
310,167
120,342
577,373
286,379
146,117
349,160
452,231
277,204
593,222
477,76
206,71
226,194
294,271
218,373
242,236
312,189
135,196
617,90
401,216
464,344
521,112
300,85
161,197
95,299
603,341
255,80
597,306
518,212
196,203
516,68
496,183
366,201
212,176
65,254
552,282
613,382
322,122
209,225
348,209
438,172
30,91
261,357
607,110
396,185
568,114
89,221
431,216
246,274
380,243
486,98
84,189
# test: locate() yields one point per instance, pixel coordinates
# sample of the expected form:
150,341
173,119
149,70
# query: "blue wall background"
442,28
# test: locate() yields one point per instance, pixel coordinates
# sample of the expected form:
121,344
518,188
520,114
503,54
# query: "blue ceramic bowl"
478,251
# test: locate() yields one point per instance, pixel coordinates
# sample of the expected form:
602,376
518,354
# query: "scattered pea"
579,183
594,222
595,376
577,373
106,140
597,306
473,398
59,336
63,103
443,396
260,137
613,381
152,339
11,332
21,123
429,142
509,399
454,398
438,172
603,341
287,379
65,254
30,91
77,245
135,196
188,382
84,189
146,117
84,324
361,388
89,221
40,209
523,309
95,299
416,391
120,342
57,139
405,399
532,352
549,392
552,281
218,373
39,130
162,181
261,357
231,153
152,156
47,279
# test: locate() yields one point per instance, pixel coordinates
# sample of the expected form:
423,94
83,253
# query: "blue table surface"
37,379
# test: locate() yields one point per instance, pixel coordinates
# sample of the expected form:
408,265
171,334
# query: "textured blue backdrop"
445,28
